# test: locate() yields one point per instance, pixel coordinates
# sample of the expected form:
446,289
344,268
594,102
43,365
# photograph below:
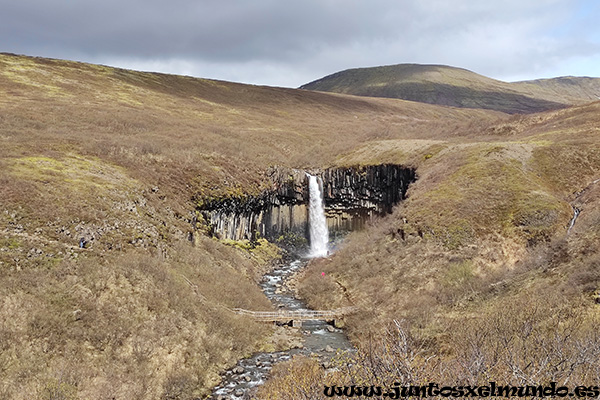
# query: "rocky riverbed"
313,338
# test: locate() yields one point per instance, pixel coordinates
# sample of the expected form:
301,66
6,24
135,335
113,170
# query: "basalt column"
351,196
355,195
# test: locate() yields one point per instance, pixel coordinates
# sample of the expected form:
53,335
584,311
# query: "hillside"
449,86
118,158
140,307
477,275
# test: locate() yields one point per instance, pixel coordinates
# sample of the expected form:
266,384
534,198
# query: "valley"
137,209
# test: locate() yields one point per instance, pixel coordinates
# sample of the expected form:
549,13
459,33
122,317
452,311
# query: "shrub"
56,390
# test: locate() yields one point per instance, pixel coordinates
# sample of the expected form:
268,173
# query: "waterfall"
319,235
576,212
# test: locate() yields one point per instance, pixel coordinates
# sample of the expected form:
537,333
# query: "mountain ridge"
459,87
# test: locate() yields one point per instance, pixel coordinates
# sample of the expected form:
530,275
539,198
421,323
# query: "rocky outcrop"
352,196
278,211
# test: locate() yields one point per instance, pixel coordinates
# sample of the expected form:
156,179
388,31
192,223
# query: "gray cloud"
291,42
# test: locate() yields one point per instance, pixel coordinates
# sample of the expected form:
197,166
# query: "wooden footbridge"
295,317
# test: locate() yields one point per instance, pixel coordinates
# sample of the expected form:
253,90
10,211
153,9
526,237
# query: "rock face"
278,211
352,196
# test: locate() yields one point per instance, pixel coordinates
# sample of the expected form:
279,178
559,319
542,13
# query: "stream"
319,338
576,212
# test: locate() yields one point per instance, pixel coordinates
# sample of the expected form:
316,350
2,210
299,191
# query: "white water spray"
319,235
576,212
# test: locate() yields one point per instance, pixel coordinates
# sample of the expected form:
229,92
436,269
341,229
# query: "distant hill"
457,87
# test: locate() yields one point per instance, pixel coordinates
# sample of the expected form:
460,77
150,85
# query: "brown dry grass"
486,202
485,225
118,157
524,340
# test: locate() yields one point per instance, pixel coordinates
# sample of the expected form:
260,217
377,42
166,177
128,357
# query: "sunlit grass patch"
72,172
28,72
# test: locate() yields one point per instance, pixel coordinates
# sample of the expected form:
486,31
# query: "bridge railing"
288,315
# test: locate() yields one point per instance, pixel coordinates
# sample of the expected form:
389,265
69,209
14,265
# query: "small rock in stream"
238,370
329,349
330,328
238,393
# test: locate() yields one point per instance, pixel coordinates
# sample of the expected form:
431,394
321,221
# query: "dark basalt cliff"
352,196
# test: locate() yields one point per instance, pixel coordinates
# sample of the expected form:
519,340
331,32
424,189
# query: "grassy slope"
116,157
480,247
437,84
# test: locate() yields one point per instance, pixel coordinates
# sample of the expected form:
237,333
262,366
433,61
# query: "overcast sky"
292,42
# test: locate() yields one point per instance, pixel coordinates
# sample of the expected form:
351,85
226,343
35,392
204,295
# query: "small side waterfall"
576,212
319,234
